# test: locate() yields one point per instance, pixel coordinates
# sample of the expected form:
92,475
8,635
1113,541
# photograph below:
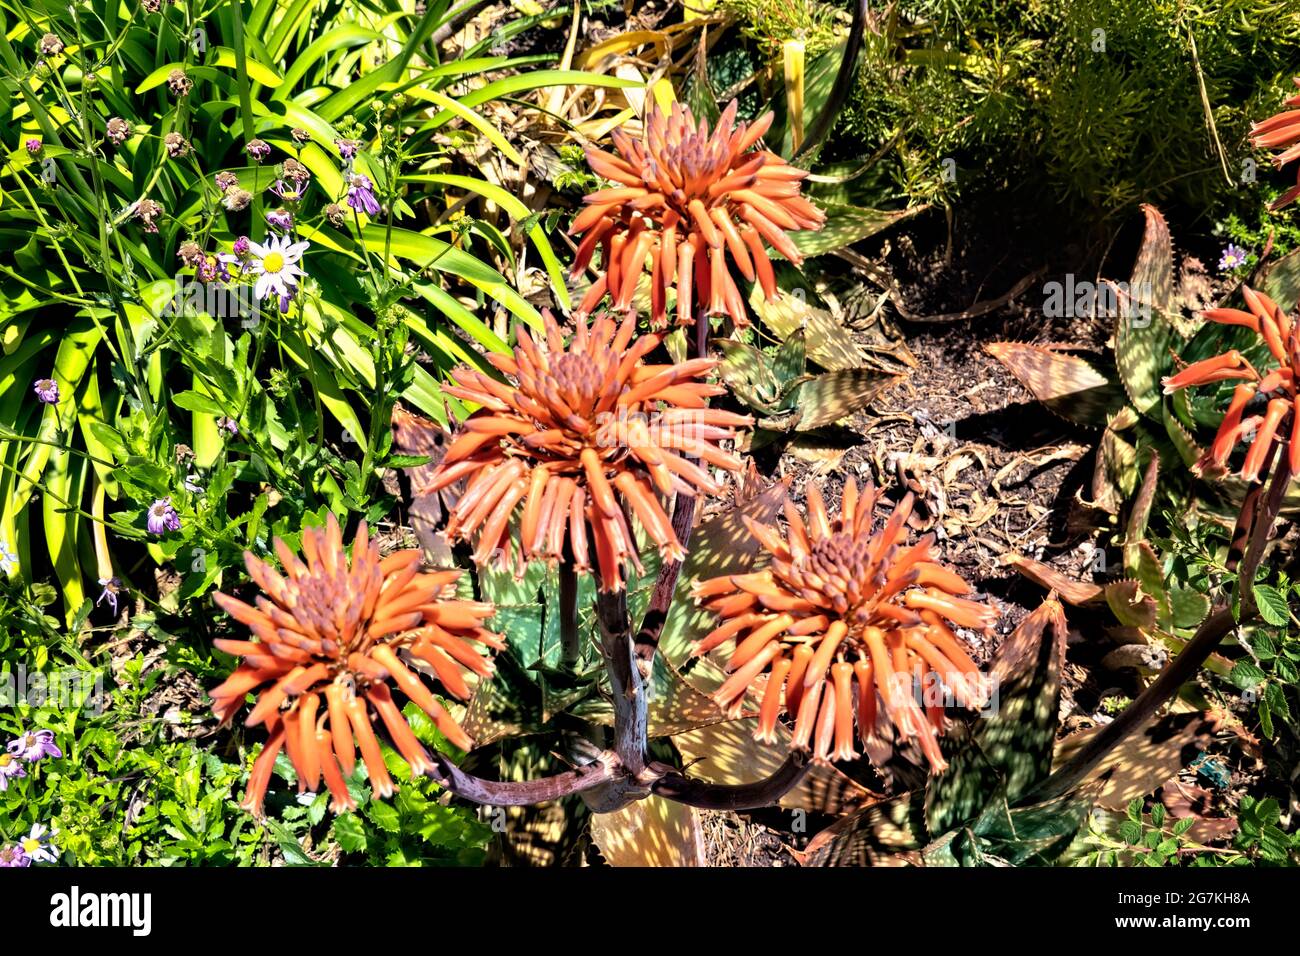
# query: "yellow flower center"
273,262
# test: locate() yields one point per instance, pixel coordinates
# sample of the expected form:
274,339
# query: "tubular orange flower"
841,605
327,627
1282,130
578,438
686,199
1278,386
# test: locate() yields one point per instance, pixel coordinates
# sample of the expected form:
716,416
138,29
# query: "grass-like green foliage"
87,298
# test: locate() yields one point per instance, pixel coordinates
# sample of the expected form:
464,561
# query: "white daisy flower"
38,844
275,263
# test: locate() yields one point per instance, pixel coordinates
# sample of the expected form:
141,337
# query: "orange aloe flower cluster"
686,198
1282,336
1282,130
576,437
338,630
840,616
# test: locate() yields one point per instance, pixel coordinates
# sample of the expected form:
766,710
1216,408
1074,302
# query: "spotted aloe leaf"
1116,473
1143,761
1281,280
721,545
1144,328
1131,605
790,359
1004,835
748,372
1011,750
727,753
650,832
1140,560
1068,385
826,398
672,705
889,833
844,226
828,342
1077,593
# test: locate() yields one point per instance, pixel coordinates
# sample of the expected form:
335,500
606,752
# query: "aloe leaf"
650,832
831,396
1070,386
1143,330
788,363
827,341
745,369
844,226
1010,751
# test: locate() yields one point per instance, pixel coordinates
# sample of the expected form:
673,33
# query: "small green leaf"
1272,604
349,832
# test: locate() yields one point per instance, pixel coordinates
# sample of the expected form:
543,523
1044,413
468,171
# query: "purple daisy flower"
229,425
34,146
286,191
241,246
13,856
163,517
1234,257
361,194
11,768
34,745
281,219
47,390
347,147
112,588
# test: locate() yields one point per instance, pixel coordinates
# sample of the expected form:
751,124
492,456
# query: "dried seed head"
688,200
179,83
842,604
117,130
339,629
177,145
583,438
148,211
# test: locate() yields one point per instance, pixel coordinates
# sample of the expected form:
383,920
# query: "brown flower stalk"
577,438
329,636
685,199
1282,412
1282,130
840,616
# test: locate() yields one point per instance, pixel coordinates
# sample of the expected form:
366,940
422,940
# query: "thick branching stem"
661,598
626,686
524,793
570,639
684,512
1208,636
750,796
